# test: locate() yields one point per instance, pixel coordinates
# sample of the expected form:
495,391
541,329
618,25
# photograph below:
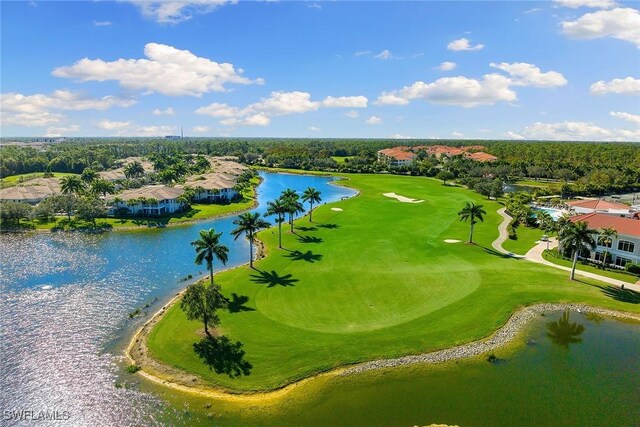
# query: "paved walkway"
535,255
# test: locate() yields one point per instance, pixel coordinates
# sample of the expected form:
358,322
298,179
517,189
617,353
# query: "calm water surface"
65,305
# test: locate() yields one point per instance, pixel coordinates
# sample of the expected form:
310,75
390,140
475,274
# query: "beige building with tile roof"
32,192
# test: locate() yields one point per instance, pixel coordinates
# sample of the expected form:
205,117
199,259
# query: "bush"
132,369
632,268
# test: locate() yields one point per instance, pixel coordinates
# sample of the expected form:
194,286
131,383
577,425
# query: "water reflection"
66,300
563,333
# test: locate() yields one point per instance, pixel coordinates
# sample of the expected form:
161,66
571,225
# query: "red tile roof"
481,156
597,204
624,226
398,153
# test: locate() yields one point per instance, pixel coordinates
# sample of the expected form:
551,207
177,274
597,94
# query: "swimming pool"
555,213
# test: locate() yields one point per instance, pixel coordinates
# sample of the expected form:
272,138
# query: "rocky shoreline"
502,336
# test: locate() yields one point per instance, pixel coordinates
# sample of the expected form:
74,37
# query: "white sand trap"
452,241
401,198
336,209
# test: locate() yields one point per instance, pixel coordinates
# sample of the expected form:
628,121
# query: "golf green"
374,280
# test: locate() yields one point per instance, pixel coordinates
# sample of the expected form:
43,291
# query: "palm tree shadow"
493,252
329,226
236,303
624,295
310,239
272,279
305,228
223,356
304,256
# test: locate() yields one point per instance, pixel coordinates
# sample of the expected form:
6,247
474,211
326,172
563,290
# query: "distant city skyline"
558,70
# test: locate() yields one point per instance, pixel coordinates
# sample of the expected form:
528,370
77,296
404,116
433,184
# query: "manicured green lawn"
552,256
374,280
340,159
527,238
12,180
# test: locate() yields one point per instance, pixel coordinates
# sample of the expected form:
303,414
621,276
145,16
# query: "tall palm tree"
291,200
278,207
312,196
577,237
71,184
249,224
472,212
208,247
89,175
133,170
545,221
102,186
605,238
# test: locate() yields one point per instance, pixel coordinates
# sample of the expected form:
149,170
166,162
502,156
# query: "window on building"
622,261
626,246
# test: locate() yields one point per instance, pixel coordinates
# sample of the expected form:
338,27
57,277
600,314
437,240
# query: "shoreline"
183,381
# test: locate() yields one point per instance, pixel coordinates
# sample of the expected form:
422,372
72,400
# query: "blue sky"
566,69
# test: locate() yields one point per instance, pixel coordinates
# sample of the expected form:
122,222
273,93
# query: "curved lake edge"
183,381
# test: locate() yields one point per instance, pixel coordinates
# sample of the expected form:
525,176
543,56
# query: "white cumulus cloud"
314,128
463,44
112,125
575,131
461,91
200,129
166,112
345,102
596,4
524,74
353,114
165,70
58,131
373,120
633,118
174,12
626,86
619,23
278,104
447,66
36,110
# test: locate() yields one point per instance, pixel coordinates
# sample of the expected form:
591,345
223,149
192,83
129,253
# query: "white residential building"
153,200
625,247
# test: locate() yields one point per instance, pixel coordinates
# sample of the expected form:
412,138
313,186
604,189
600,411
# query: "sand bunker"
452,241
336,209
401,198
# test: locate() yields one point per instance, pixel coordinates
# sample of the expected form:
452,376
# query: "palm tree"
71,184
89,175
290,199
577,237
133,170
472,212
208,247
249,224
312,196
605,238
104,187
278,207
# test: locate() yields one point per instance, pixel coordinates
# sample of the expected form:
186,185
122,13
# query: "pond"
567,369
66,298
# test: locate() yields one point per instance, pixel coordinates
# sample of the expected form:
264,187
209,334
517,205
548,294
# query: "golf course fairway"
375,280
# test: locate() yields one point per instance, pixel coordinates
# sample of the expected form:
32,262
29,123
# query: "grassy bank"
375,280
